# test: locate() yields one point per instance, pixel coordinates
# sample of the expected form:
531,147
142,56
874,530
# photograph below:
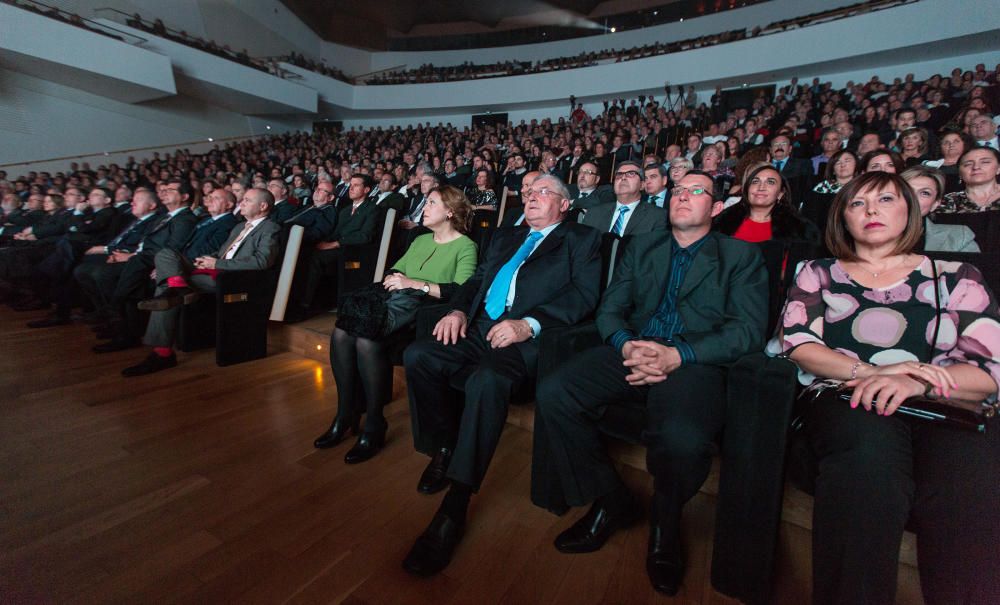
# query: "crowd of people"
872,178
469,71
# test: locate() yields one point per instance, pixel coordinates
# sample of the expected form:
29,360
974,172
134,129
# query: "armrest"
556,345
240,282
760,398
427,318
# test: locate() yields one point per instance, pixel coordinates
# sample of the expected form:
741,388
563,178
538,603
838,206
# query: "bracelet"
854,368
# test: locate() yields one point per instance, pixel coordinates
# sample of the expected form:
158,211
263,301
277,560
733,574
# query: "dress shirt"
239,240
536,327
660,199
994,143
625,219
667,322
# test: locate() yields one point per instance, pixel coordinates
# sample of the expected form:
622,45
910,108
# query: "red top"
753,232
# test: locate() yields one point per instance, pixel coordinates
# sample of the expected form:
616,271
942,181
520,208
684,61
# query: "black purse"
373,312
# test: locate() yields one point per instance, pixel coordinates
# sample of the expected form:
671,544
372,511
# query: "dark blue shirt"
667,322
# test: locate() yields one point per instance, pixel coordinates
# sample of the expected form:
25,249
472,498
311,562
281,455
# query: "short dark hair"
658,168
717,191
828,174
897,160
839,240
365,179
638,168
183,186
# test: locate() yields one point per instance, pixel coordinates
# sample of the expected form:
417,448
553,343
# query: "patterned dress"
883,326
959,203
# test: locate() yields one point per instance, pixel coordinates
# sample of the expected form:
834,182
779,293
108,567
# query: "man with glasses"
683,304
628,215
534,277
588,193
319,219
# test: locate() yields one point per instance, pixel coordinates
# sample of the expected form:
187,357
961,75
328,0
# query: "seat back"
502,207
287,273
388,224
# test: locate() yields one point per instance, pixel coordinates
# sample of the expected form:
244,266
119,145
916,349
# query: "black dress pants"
875,474
684,415
322,264
469,423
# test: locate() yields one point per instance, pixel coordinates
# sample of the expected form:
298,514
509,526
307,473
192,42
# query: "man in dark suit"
355,225
514,214
588,192
172,232
797,171
655,186
252,245
283,209
628,215
683,304
532,278
211,232
389,197
319,219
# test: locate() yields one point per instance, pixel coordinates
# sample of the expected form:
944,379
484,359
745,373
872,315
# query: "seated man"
514,215
586,193
534,277
682,305
318,219
627,216
252,245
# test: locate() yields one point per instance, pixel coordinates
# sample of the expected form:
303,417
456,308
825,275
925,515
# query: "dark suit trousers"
875,474
161,330
684,415
471,424
98,279
322,264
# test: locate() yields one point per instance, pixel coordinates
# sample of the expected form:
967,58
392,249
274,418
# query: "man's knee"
676,445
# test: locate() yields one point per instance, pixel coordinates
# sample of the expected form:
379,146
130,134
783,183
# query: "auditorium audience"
434,265
928,186
979,169
869,320
629,214
882,160
765,212
842,167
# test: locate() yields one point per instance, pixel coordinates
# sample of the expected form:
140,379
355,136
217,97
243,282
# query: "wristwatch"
426,288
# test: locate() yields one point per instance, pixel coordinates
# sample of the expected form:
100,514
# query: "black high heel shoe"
367,446
337,433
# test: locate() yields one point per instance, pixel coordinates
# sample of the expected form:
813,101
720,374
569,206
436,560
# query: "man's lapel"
705,262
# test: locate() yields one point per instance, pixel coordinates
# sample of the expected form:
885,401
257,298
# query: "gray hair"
681,162
556,184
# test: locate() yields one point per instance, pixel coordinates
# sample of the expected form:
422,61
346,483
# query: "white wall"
52,121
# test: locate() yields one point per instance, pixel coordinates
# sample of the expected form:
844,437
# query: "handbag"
959,413
373,312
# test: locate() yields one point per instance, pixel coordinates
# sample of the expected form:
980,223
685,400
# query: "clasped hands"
649,361
205,262
889,386
453,326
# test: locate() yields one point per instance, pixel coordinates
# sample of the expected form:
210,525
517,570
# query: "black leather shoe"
152,363
30,304
48,322
433,550
593,529
367,446
171,297
433,479
115,345
336,433
665,560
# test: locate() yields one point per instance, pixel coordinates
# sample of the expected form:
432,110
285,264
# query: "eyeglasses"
590,172
690,190
542,192
627,173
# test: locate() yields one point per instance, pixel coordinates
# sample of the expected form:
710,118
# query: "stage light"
614,29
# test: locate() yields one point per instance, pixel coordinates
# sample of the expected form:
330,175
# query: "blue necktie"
779,164
620,221
496,300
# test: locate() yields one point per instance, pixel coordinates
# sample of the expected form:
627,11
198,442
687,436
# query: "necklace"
881,271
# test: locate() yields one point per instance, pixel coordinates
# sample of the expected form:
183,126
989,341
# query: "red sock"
177,282
163,351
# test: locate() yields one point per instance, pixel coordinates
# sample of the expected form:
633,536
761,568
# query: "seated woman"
868,320
765,212
842,167
954,144
750,159
436,263
979,168
913,146
483,197
882,160
711,160
928,185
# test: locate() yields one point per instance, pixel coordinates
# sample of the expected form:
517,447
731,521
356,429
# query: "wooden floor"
200,485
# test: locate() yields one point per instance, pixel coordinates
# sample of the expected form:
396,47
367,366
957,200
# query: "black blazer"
318,223
357,228
208,235
171,233
283,211
601,195
93,227
130,237
558,284
645,218
722,301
